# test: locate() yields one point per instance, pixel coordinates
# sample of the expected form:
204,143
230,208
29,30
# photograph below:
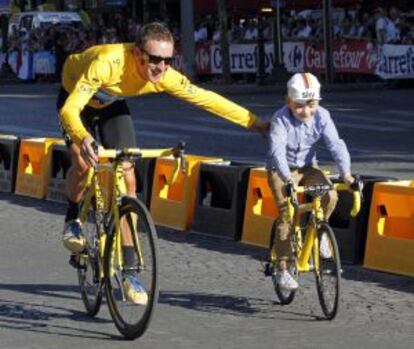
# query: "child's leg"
281,241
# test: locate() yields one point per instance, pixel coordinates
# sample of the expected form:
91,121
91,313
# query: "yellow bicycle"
316,247
108,218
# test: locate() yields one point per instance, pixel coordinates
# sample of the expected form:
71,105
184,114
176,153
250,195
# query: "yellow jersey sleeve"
179,86
94,76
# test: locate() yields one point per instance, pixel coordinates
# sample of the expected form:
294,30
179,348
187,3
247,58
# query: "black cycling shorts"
113,123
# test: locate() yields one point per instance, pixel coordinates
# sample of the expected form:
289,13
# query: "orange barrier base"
260,211
390,239
33,171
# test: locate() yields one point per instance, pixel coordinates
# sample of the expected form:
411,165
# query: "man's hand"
261,126
87,151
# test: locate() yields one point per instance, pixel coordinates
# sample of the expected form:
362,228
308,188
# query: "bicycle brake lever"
179,153
358,186
290,192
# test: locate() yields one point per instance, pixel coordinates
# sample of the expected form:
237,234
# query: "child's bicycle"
317,248
109,221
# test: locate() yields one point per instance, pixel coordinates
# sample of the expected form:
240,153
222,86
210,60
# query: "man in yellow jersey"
94,84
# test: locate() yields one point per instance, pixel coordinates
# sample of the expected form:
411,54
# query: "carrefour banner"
396,62
353,56
243,58
294,56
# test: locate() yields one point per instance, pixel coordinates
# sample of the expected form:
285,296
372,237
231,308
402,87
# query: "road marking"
375,120
359,126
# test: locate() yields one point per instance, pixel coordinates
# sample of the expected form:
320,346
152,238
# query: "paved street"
377,124
213,293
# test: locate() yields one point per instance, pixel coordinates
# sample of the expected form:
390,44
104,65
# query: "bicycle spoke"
88,270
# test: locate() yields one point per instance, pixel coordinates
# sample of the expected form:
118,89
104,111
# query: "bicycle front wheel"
88,266
327,270
132,318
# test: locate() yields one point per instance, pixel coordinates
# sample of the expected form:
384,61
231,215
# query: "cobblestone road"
213,295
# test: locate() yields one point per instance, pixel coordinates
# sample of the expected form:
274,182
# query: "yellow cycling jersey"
104,73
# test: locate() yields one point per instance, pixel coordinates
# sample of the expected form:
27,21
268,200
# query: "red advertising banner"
202,59
349,56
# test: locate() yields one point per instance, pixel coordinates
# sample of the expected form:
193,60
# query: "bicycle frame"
102,206
304,251
109,208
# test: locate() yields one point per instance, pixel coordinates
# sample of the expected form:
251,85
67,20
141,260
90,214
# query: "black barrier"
60,164
221,199
144,174
9,156
351,233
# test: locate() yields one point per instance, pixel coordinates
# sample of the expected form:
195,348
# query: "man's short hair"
153,31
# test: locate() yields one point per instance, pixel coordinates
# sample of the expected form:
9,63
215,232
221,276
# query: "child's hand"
349,179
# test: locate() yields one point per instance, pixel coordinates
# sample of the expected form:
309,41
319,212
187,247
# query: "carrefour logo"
295,56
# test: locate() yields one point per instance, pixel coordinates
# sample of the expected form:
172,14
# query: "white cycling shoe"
325,247
286,281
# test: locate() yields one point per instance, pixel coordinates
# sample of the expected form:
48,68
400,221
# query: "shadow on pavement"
214,243
385,280
66,291
41,318
39,204
232,305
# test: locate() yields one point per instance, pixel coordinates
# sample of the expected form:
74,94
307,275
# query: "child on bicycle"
295,129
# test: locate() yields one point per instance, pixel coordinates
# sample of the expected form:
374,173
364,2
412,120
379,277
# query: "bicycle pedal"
74,262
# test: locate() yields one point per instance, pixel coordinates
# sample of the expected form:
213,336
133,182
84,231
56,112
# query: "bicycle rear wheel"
327,270
132,319
88,266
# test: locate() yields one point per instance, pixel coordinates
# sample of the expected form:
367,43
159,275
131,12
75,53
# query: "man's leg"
75,175
72,237
117,131
129,175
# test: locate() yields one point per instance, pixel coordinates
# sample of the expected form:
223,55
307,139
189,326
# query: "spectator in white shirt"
304,30
250,33
200,33
385,28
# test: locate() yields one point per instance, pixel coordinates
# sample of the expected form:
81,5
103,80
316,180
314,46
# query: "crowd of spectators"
378,25
392,26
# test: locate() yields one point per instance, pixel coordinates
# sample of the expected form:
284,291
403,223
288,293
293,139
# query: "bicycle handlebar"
321,189
177,152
